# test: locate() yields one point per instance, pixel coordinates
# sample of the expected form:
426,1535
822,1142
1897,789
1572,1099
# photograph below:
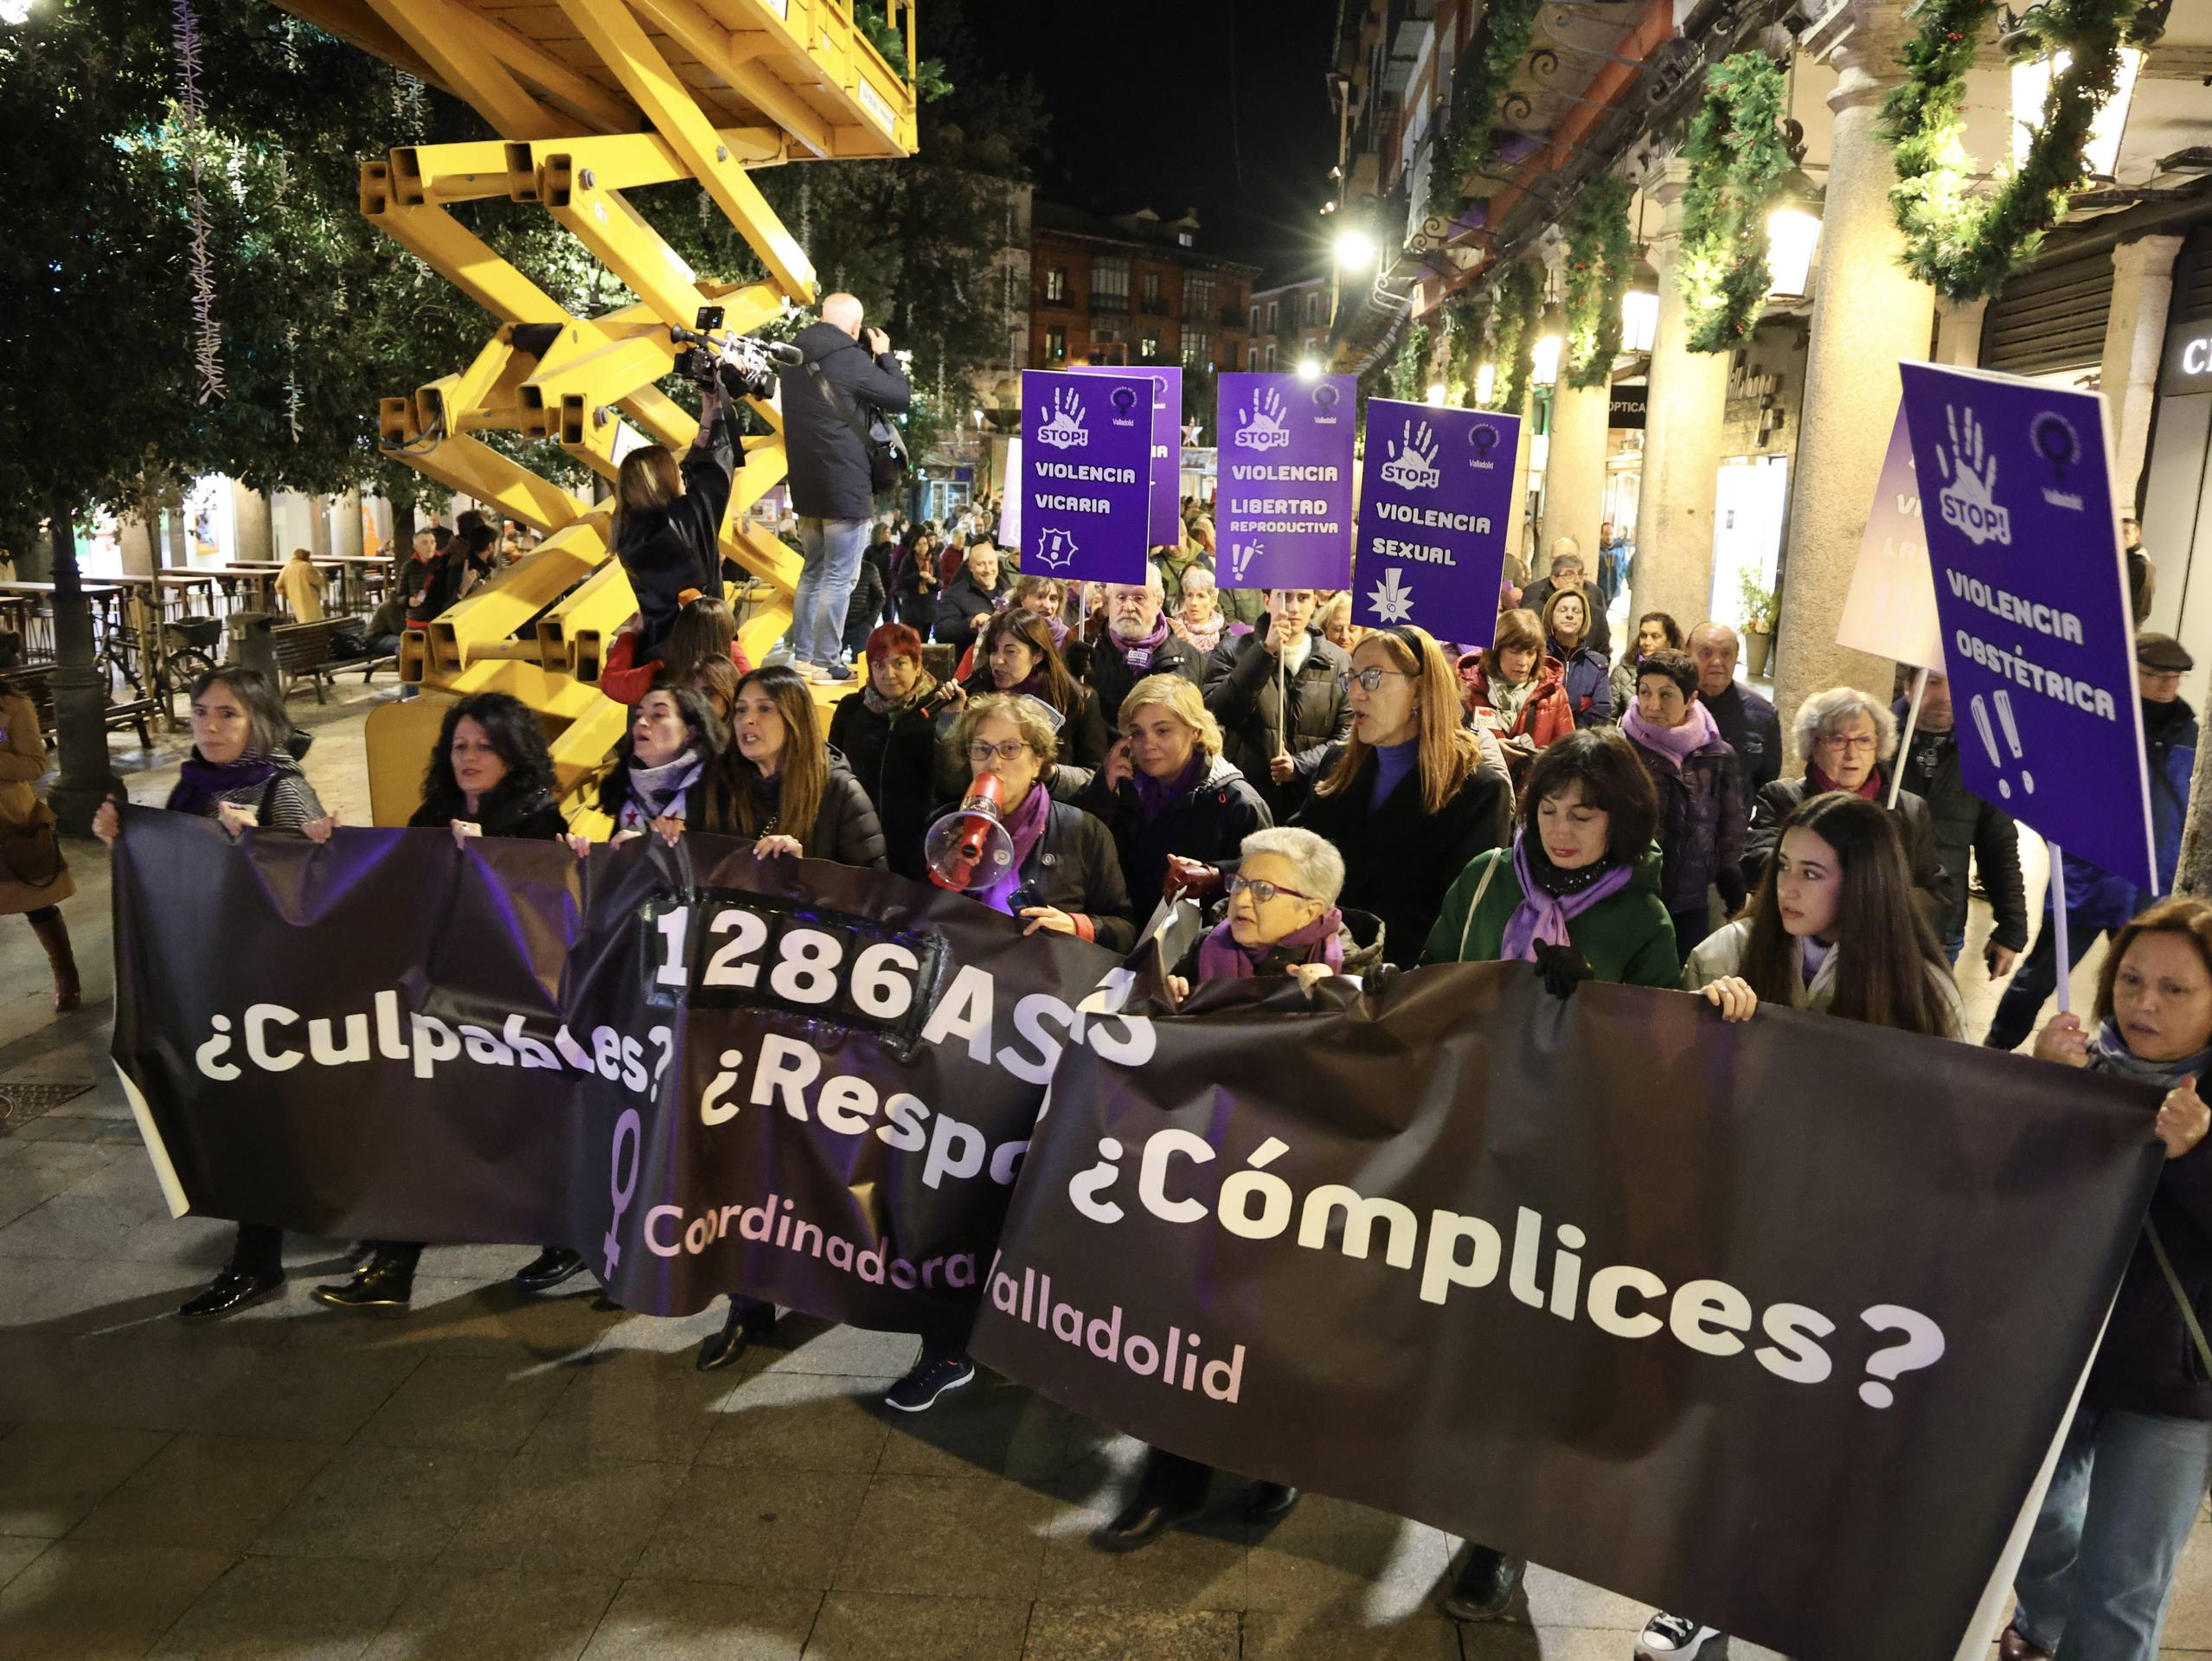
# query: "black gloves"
1562,969
1730,883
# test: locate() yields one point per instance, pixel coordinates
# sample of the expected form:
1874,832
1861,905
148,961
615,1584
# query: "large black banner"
1771,1324
705,1072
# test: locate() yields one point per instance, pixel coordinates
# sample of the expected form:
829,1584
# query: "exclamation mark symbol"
1989,741
2012,738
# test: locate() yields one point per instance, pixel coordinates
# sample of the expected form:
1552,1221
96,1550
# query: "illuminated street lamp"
1437,392
1551,339
1639,308
2031,84
1793,236
1308,369
1353,251
1486,382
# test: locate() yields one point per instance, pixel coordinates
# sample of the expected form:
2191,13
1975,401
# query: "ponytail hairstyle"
802,774
1449,751
1891,970
648,478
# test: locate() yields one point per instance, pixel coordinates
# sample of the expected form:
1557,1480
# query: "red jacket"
1547,716
626,681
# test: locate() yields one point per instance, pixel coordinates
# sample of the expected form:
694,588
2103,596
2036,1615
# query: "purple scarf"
1156,796
1023,826
1138,654
1675,743
1542,917
201,785
1222,958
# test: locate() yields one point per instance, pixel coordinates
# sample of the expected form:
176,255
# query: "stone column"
2135,335
1686,404
250,522
349,541
1574,471
1958,332
1516,516
318,527
177,540
137,546
1867,316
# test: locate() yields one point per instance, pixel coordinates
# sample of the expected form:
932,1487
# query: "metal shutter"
2052,318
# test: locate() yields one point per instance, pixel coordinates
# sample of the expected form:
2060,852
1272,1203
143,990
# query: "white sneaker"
777,654
1675,1636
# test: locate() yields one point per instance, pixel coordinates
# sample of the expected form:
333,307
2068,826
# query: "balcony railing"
1109,302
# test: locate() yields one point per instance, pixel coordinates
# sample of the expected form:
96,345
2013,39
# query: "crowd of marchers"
1340,801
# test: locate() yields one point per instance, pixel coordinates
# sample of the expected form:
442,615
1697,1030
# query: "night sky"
1146,112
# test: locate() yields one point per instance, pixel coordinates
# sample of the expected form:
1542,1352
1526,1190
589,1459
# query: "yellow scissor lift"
592,98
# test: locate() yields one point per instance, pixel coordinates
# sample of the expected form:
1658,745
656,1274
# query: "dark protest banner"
705,1072
1086,475
1283,514
1435,487
1164,525
1768,1324
2031,586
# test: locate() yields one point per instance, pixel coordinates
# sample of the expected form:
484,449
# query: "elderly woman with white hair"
1848,738
1281,918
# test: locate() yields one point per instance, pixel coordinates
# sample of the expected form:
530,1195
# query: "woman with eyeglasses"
1409,798
1166,789
1848,740
1064,878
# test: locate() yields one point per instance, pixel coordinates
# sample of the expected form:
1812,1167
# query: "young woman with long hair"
668,522
1015,655
704,630
662,768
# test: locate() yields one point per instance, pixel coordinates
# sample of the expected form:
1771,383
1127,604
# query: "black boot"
1269,1503
1484,1587
1170,1490
747,1322
382,1284
232,1289
548,1269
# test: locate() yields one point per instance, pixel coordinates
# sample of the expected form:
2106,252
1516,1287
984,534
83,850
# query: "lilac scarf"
1138,654
1542,917
202,784
1675,743
1156,796
1222,958
1023,826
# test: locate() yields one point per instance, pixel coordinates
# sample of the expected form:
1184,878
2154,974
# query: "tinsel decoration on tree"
1598,259
1967,245
191,116
1736,157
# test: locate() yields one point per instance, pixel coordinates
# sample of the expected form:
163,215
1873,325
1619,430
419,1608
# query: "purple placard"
1166,529
2031,586
1087,471
1283,516
1434,491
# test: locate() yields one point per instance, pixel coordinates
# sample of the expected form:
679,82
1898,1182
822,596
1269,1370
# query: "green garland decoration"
1513,335
1966,245
1404,380
1467,319
1470,139
928,81
1597,257
1736,157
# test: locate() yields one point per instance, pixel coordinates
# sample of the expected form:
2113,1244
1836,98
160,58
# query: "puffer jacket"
1968,829
965,600
1588,682
845,828
2095,896
1546,714
668,549
1241,694
893,756
1701,823
1208,823
1771,809
1073,868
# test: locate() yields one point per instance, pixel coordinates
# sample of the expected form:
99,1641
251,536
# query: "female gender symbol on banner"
620,1190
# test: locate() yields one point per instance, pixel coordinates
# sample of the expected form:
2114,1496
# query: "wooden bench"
304,652
36,683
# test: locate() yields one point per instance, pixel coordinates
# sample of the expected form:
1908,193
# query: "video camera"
745,367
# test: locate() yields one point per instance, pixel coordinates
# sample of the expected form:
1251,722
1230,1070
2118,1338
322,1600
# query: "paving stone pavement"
496,1476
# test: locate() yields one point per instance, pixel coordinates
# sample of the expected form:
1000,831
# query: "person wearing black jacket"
865,610
915,585
1167,789
667,523
1407,798
490,775
890,734
1568,571
1245,678
1137,642
847,376
1749,723
1966,826
431,580
2131,1475
977,593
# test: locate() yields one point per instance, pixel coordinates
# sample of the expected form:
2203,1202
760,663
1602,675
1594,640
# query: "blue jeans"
833,548
2094,1582
2036,978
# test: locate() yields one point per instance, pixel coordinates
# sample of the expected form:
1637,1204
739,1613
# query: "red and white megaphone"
969,849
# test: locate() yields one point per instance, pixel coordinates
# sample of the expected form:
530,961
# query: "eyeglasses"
1371,679
1848,745
1261,892
983,755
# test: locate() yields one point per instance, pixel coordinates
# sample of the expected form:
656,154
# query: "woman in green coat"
1580,880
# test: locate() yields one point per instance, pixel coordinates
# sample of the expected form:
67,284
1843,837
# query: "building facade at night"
1132,290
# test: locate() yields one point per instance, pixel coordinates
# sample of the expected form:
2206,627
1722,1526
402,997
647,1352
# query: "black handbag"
879,439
